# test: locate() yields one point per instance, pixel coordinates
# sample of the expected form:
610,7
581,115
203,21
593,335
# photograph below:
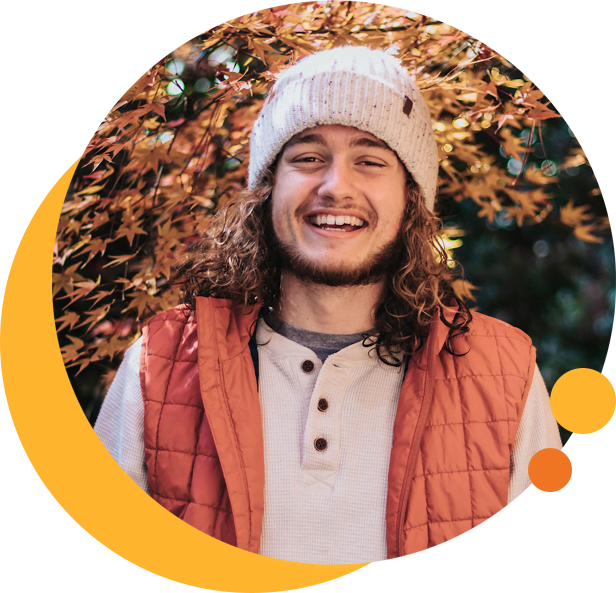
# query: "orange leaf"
464,289
572,215
69,320
584,233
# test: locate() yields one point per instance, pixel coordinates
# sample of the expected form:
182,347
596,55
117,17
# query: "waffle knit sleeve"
120,423
537,430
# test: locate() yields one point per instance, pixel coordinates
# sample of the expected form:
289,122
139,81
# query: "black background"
65,72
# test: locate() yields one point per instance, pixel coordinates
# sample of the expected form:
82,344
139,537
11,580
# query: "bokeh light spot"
549,470
202,85
549,168
541,248
175,87
176,67
514,166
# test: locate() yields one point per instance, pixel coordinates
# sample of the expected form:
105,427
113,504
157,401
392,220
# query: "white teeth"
331,220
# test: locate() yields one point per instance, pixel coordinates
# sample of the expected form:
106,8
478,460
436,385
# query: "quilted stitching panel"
449,496
205,445
482,399
184,440
180,451
514,386
224,528
201,517
177,507
208,486
417,508
157,377
442,532
487,446
415,539
171,327
479,360
491,488
188,342
152,411
176,468
419,471
150,458
509,349
442,459
445,408
462,474
184,384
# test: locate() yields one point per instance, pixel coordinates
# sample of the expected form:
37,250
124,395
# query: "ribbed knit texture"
120,423
325,506
351,86
291,413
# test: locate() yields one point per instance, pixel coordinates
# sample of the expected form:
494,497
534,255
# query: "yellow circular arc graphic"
150,548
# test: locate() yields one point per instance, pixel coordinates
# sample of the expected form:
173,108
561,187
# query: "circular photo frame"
544,214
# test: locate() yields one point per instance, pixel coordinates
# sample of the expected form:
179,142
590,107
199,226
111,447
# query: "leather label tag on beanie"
408,106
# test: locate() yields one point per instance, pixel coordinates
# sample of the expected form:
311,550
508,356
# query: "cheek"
392,208
281,214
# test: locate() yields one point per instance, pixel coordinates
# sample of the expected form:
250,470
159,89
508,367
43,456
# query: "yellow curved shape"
76,468
584,402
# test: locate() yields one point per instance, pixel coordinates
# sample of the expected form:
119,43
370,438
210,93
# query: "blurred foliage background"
522,210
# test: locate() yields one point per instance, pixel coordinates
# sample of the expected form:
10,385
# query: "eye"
371,163
306,159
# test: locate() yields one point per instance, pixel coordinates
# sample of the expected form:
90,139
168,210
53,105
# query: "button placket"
321,456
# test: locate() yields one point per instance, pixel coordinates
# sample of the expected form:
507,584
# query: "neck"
328,309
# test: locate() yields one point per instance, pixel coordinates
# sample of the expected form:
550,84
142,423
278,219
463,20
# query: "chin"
339,273
335,274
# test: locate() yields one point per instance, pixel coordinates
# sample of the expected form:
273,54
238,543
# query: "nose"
338,182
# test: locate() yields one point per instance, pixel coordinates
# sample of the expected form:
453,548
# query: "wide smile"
335,224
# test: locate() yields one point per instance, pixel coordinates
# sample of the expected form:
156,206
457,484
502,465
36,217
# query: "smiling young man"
338,202
323,396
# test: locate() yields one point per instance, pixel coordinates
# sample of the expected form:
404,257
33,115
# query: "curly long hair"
235,260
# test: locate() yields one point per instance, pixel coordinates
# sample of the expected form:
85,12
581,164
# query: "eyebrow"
371,143
313,138
316,138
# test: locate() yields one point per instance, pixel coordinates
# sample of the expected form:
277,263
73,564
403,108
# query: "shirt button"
320,444
322,405
307,366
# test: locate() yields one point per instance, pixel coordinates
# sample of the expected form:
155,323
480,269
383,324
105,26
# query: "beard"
376,267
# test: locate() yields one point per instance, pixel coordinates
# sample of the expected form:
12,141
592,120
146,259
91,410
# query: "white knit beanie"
351,86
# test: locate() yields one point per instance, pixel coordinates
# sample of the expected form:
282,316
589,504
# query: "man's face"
337,205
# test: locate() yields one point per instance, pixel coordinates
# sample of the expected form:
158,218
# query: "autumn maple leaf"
489,209
574,215
71,351
585,233
463,289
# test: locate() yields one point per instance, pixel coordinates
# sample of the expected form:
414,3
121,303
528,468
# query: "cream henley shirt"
324,506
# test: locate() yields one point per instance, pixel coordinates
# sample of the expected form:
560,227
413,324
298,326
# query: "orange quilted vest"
453,434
